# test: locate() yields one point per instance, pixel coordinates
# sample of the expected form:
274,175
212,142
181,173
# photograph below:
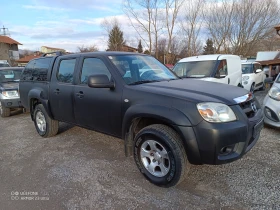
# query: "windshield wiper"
143,81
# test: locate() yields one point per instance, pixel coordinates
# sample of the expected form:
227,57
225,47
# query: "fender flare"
38,94
163,113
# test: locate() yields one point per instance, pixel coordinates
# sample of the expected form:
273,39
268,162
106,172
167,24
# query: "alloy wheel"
155,158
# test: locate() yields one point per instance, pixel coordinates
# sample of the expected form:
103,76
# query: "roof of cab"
209,57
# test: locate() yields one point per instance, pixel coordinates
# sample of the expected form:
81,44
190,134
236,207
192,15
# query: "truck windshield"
138,69
247,69
195,69
10,75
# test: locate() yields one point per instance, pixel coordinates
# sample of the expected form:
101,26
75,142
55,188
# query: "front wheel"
45,126
160,156
4,111
252,88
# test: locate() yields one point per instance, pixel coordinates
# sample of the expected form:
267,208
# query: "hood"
9,85
195,90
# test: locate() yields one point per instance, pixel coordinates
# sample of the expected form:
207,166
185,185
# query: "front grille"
247,107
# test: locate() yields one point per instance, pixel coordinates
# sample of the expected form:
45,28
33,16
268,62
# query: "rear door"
62,87
97,108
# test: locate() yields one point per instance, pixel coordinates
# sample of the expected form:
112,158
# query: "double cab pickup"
167,123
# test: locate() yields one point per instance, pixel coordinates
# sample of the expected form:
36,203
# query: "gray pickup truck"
166,122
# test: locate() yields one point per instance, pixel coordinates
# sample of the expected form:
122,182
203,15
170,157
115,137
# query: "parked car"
252,76
214,68
9,96
4,63
271,105
166,122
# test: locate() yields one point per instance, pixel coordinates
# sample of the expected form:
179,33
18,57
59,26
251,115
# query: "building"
23,61
9,49
127,48
45,49
269,60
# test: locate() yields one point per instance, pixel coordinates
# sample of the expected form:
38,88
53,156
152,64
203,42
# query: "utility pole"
4,31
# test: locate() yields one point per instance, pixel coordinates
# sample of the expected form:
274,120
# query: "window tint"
41,69
27,72
222,69
93,66
66,70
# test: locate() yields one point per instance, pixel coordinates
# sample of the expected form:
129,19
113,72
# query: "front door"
61,89
97,108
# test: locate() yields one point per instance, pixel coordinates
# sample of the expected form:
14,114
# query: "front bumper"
274,107
11,103
219,143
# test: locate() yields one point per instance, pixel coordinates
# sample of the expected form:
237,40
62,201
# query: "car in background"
252,76
9,94
224,69
271,105
4,63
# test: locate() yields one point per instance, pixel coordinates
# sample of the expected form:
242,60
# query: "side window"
41,69
27,72
93,66
66,70
222,69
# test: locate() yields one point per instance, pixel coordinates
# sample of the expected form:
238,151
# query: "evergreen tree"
116,40
147,52
208,48
140,48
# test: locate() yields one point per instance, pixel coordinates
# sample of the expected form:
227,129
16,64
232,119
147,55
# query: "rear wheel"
4,111
160,155
45,126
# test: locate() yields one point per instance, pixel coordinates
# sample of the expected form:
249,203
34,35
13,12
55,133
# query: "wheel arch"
36,96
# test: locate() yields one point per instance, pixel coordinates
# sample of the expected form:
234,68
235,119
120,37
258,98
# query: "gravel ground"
82,169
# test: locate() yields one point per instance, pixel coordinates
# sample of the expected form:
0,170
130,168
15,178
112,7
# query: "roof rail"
58,53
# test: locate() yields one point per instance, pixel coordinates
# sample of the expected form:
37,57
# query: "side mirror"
100,81
258,70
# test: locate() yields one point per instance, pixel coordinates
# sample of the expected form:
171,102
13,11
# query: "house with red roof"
9,49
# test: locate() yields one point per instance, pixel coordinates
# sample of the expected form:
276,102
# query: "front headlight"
274,93
216,112
245,78
10,94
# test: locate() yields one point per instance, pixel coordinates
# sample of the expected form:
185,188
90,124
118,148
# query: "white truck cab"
253,75
222,68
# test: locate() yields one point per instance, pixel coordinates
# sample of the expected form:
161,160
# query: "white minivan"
222,68
252,75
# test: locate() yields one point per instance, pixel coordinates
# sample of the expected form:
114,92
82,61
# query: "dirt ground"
82,169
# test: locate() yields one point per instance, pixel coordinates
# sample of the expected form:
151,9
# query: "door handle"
80,94
56,91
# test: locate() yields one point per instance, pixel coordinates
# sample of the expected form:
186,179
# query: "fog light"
9,104
271,114
245,83
226,150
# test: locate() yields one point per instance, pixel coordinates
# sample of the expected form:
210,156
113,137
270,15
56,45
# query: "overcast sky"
60,23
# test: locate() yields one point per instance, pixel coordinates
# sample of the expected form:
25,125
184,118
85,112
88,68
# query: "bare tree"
172,8
91,48
190,26
145,17
238,26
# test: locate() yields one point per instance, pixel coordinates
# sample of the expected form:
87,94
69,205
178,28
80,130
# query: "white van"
252,76
215,68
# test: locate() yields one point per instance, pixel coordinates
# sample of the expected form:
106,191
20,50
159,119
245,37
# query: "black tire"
4,111
51,126
165,137
252,88
263,86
